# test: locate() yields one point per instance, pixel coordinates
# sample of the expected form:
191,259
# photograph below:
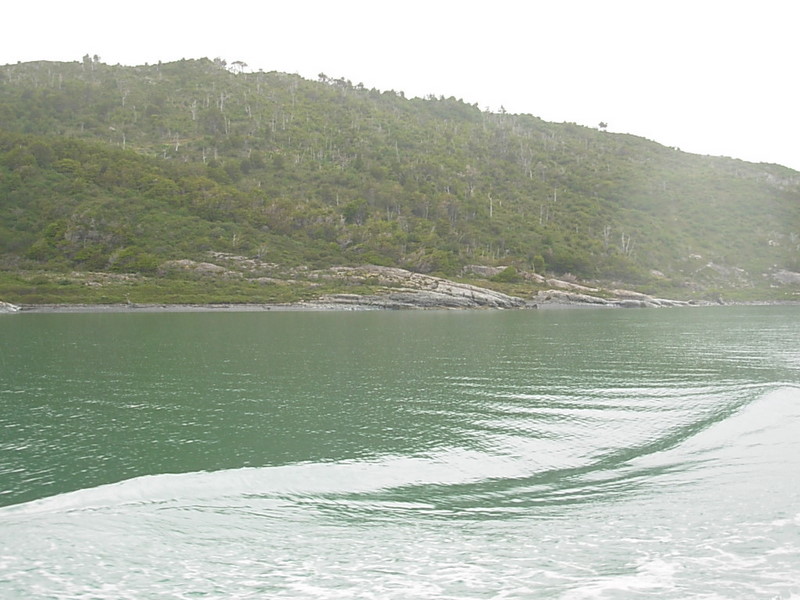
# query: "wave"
508,474
450,467
761,435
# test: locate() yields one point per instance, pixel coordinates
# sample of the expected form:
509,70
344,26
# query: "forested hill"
120,169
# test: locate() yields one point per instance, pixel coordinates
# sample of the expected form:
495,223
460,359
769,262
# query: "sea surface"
401,455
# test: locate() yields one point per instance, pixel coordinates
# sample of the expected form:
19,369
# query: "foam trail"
449,467
760,433
752,431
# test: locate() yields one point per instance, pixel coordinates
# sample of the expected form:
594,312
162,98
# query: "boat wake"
587,524
506,475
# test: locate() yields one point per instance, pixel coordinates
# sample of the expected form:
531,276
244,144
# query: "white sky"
708,76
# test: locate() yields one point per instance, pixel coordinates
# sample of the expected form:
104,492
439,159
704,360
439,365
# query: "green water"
530,454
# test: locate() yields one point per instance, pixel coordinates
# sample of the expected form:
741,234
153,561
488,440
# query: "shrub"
507,275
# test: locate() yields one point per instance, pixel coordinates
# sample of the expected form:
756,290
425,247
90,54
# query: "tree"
238,66
507,275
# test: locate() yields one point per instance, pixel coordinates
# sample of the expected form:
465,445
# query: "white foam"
649,575
759,432
448,467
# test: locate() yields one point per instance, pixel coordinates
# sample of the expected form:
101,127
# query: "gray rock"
564,297
415,290
7,307
786,277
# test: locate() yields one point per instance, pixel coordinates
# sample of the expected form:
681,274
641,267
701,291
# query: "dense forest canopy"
112,168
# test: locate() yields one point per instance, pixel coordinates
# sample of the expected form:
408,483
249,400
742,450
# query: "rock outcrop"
618,299
205,269
404,289
785,277
6,307
415,290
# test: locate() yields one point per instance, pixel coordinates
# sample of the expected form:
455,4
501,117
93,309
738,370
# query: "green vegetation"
117,170
38,287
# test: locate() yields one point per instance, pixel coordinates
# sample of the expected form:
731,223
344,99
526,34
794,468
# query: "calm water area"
563,454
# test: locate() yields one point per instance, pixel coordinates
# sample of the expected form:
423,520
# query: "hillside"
120,170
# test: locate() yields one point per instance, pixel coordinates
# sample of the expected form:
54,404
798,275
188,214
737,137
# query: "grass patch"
59,288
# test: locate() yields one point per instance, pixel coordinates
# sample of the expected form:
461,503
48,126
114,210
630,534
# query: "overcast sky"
708,76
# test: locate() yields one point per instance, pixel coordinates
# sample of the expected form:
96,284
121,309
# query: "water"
538,454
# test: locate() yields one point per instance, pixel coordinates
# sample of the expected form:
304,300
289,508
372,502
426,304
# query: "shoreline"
232,307
291,307
325,307
170,308
400,289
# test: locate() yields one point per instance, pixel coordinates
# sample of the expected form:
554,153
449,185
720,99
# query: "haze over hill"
124,169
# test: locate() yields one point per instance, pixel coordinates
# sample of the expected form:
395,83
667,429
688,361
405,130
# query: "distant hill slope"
111,168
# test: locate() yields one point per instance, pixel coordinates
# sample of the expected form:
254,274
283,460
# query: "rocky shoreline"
346,302
399,300
399,289
407,290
